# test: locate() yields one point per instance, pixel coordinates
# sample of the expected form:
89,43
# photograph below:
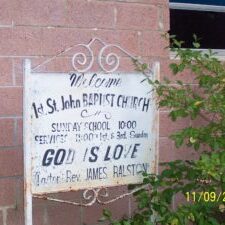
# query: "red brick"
59,64
59,214
166,150
126,65
56,40
8,191
110,38
137,16
15,216
200,121
186,76
6,15
20,191
18,70
134,202
119,208
167,127
11,162
39,214
90,14
21,41
19,132
7,132
179,199
164,18
169,152
151,60
10,101
1,218
91,215
186,153
133,205
45,13
68,37
6,71
6,37
68,196
18,64
27,41
65,13
128,40
142,1
22,12
40,202
165,72
153,44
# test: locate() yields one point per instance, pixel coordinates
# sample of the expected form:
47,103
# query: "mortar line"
15,127
11,86
13,73
11,117
7,148
11,177
83,28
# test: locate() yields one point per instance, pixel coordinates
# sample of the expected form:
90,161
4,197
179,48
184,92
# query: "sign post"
86,130
27,150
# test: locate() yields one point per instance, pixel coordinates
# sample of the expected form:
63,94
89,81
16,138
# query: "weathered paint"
86,132
80,132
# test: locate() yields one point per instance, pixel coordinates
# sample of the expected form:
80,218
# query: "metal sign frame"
92,195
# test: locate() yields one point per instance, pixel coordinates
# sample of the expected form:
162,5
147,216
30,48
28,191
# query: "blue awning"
202,2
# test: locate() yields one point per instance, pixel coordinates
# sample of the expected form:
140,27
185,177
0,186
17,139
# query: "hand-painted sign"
87,130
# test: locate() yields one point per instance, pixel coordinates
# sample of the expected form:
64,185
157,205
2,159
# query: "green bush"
201,182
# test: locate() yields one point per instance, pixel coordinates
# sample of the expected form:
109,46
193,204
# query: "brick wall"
38,29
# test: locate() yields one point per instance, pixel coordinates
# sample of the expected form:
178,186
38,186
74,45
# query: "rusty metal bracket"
92,196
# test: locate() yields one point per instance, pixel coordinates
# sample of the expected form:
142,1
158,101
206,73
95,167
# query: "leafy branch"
206,174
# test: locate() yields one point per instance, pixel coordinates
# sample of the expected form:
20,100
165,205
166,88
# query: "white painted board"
88,130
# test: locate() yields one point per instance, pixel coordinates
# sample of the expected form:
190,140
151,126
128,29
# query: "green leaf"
174,68
126,223
167,173
107,213
196,44
203,107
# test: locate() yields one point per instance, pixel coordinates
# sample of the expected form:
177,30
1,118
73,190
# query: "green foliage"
200,182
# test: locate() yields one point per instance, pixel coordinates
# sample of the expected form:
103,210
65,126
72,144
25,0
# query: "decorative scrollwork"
108,63
92,196
111,59
81,59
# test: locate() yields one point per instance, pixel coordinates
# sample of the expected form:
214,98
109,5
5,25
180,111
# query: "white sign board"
88,130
